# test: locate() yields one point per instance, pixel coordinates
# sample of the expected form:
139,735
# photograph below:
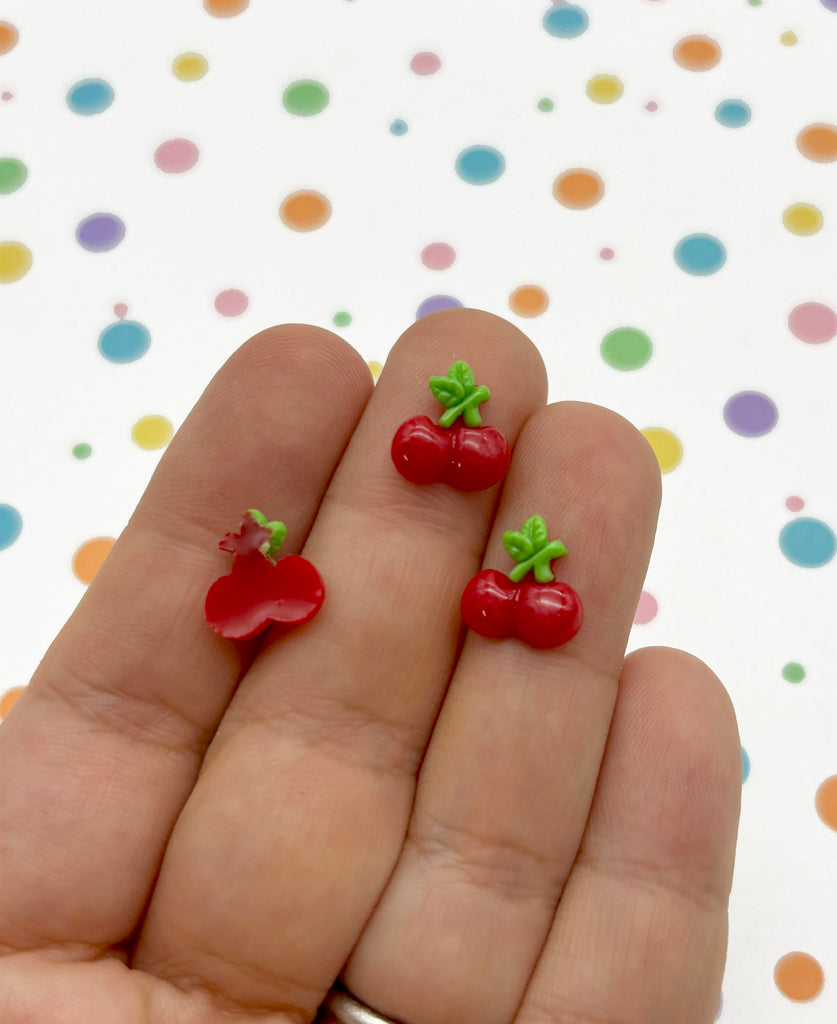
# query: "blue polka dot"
11,524
808,542
90,96
398,127
566,21
480,165
124,341
745,765
437,302
700,255
733,113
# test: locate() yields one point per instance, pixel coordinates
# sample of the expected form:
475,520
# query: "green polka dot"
545,105
13,173
305,98
626,348
342,319
82,451
793,672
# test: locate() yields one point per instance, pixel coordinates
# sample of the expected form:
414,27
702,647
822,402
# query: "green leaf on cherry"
533,551
463,374
447,391
518,545
534,529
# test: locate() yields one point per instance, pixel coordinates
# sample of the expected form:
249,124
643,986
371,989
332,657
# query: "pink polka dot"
121,310
651,105
812,322
646,609
438,255
794,503
425,63
6,95
176,156
607,254
232,302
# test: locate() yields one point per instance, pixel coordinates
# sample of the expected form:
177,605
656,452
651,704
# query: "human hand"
201,832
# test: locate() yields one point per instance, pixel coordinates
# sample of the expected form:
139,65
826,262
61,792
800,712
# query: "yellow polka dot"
666,446
375,369
605,88
89,557
802,219
152,432
15,261
8,700
189,67
788,38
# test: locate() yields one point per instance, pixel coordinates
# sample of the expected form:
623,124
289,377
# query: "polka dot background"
646,188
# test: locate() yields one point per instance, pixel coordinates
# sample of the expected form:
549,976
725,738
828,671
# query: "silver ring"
340,1007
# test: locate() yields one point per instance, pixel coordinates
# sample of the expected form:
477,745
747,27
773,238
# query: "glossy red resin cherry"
465,458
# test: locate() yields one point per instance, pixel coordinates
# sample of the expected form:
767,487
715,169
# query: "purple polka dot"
750,414
437,302
829,5
100,232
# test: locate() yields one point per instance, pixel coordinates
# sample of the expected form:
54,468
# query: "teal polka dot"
399,127
745,765
11,523
480,165
566,21
807,542
733,113
700,255
90,96
124,341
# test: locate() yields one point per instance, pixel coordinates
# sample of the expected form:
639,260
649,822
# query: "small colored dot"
566,21
626,348
124,341
176,156
830,5
788,38
9,699
231,302
11,523
225,8
189,67
375,369
651,106
82,451
807,542
813,323
545,105
750,414
342,319
793,672
733,113
438,256
578,188
90,96
15,261
604,88
305,98
436,303
697,53
646,609
13,174
425,63
802,219
794,503
798,976
818,142
152,432
480,165
745,766
305,210
607,254
89,557
826,802
528,300
100,232
120,310
5,95
700,254
399,127
666,446
8,37
754,3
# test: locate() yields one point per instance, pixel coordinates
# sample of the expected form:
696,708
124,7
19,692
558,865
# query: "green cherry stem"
540,563
467,408
278,532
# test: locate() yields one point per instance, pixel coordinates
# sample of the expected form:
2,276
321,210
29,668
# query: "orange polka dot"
697,53
826,802
528,300
89,557
8,37
798,976
225,8
818,142
305,210
578,188
9,699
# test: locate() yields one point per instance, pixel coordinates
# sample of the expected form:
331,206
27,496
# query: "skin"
197,832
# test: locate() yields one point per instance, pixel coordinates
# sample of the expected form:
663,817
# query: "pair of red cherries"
263,591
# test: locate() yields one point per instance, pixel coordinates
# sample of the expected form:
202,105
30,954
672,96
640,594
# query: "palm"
196,833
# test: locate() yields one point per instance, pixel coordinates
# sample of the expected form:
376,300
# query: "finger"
507,782
105,744
303,801
640,935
